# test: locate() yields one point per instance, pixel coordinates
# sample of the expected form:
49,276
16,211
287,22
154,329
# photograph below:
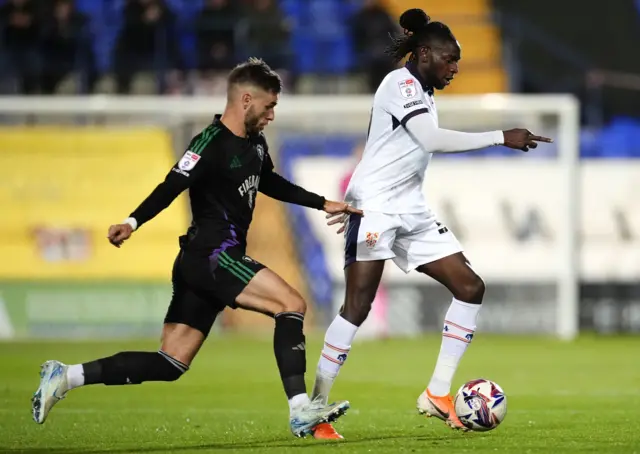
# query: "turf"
563,398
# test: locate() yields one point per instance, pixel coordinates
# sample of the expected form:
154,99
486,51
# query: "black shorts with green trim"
203,286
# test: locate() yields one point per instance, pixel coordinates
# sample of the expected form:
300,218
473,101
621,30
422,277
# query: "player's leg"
455,273
467,288
180,344
362,281
429,247
243,282
268,293
187,324
369,240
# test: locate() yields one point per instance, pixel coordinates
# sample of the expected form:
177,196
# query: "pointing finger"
541,139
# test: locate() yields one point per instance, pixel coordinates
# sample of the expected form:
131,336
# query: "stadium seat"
474,80
84,175
620,139
92,8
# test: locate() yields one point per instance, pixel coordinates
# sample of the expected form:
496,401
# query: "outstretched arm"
405,101
432,139
279,188
184,174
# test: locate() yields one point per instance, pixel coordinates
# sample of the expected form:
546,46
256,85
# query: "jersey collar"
216,120
413,69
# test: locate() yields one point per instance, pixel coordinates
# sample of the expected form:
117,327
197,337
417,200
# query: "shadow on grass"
264,444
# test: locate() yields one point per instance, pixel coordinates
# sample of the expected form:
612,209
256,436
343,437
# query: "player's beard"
252,121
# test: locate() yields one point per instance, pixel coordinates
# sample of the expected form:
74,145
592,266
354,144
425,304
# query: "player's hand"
522,139
338,213
119,233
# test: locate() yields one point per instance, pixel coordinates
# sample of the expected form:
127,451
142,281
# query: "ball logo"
475,403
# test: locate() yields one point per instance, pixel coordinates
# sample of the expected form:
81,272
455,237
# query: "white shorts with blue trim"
410,240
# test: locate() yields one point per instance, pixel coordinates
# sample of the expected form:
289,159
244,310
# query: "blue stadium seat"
292,8
320,38
186,14
616,140
619,139
91,8
304,50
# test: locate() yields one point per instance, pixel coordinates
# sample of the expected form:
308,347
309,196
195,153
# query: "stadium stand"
66,186
320,40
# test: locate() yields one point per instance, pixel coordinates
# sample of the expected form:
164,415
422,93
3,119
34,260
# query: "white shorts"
410,240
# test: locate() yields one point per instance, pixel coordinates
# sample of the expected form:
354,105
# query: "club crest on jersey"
188,161
260,150
407,88
371,239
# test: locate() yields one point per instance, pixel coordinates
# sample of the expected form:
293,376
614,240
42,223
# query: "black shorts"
204,285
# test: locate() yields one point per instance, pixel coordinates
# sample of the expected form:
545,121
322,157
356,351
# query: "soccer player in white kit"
397,224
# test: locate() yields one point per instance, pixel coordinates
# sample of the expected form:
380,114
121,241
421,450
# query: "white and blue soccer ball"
481,405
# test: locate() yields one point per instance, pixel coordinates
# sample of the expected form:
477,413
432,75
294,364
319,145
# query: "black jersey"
223,173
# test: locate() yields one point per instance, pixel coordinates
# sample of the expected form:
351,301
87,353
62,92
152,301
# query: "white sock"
337,343
298,401
459,326
75,376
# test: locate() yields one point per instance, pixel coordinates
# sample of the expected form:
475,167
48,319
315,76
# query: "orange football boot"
440,407
325,431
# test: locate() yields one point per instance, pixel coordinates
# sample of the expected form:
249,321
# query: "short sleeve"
403,99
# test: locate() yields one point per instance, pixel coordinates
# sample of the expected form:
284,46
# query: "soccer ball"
481,405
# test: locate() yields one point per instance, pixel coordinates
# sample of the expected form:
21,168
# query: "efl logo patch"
188,161
372,239
408,88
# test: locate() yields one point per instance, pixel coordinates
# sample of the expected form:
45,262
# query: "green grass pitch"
563,398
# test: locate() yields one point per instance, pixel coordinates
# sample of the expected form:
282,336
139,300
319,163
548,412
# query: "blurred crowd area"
187,46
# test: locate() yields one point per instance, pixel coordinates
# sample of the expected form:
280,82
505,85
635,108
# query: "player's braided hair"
255,71
417,30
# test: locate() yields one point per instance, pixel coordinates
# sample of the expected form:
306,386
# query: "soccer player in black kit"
224,167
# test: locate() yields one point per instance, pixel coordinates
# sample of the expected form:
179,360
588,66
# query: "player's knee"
293,302
356,310
471,291
355,315
170,368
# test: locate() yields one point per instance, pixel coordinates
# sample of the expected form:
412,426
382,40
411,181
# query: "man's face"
261,110
441,63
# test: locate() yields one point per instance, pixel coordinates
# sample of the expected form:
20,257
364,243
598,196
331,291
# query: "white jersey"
390,175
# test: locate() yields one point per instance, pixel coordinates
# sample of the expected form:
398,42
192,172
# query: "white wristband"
132,222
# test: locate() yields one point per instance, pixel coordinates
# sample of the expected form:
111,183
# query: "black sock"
132,368
289,347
